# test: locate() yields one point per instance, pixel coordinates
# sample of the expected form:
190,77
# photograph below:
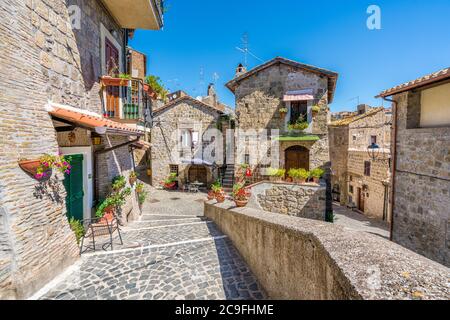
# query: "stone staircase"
228,178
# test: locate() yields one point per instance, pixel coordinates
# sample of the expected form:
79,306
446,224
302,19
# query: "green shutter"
74,188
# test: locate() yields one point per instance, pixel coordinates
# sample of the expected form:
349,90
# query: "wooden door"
73,184
360,200
112,93
296,158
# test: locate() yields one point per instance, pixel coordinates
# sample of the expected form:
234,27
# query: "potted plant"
241,194
219,194
283,112
43,167
316,174
276,174
315,109
106,210
140,187
299,175
142,194
133,177
170,182
118,183
211,193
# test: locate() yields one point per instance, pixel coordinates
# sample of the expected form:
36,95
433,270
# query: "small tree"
156,84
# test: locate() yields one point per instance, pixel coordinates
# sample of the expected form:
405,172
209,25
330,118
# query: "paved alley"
172,253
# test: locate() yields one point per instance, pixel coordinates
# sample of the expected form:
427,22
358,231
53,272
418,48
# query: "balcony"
137,14
126,100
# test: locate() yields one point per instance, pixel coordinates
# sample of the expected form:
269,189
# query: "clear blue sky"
203,34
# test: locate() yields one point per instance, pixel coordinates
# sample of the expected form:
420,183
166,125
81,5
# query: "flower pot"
108,216
220,198
114,82
149,172
170,186
132,180
316,180
31,166
283,115
210,195
241,203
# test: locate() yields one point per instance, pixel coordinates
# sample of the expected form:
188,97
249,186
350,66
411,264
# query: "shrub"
155,83
133,174
298,126
77,228
298,174
315,108
118,183
171,178
276,172
283,110
142,196
139,187
240,192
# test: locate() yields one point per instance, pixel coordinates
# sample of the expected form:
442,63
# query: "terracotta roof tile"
91,122
428,79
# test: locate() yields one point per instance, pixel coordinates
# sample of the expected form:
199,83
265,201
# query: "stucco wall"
422,183
435,109
295,258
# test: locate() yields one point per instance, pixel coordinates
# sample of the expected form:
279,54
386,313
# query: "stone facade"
293,200
43,59
349,139
259,98
422,182
184,113
137,64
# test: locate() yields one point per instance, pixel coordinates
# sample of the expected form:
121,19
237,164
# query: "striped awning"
299,95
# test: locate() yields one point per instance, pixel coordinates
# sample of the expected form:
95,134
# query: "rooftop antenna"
245,49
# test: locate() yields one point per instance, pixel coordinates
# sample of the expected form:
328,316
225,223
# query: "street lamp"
374,151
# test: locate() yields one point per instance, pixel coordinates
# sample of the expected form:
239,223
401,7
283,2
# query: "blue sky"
203,35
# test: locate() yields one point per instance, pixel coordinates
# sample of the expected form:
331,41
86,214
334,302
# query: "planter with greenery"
219,194
283,112
317,174
299,175
241,195
315,109
43,167
118,183
133,177
156,85
171,182
120,80
276,174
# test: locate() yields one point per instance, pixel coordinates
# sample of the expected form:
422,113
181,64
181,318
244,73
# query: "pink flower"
67,171
65,163
39,175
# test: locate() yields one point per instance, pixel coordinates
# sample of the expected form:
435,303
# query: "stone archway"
296,157
198,173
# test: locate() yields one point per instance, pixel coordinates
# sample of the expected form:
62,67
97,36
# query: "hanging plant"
43,167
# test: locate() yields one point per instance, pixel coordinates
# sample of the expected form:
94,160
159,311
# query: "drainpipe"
95,160
394,161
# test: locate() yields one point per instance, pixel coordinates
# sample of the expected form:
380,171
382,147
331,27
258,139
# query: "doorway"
198,174
296,157
73,183
360,200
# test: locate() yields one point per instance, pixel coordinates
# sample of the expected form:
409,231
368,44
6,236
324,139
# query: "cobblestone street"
172,253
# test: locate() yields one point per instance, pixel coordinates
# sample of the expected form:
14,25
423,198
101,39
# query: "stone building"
359,179
53,56
178,140
285,84
421,165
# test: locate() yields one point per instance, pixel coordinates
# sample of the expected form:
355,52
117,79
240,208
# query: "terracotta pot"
132,180
114,82
220,198
283,115
31,166
241,203
211,195
169,186
289,179
108,216
316,180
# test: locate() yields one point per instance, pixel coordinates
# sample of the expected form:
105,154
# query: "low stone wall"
307,201
295,258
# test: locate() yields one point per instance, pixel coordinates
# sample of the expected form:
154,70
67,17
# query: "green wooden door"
74,187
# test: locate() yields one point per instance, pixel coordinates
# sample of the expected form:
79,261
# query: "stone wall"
42,59
291,199
422,183
338,146
295,258
185,113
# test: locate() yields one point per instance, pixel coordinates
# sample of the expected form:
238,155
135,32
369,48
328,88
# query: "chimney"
363,108
240,70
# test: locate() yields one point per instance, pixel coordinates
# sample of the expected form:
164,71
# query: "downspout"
394,162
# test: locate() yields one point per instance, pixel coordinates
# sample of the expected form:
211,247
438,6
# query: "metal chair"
98,227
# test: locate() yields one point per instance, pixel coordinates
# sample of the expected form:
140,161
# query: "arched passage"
198,173
296,157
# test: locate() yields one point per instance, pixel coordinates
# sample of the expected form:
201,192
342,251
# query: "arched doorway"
197,174
296,157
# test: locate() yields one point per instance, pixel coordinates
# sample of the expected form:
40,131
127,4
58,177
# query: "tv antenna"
245,49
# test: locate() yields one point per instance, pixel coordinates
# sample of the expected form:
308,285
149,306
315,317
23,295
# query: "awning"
299,95
196,161
306,137
93,123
